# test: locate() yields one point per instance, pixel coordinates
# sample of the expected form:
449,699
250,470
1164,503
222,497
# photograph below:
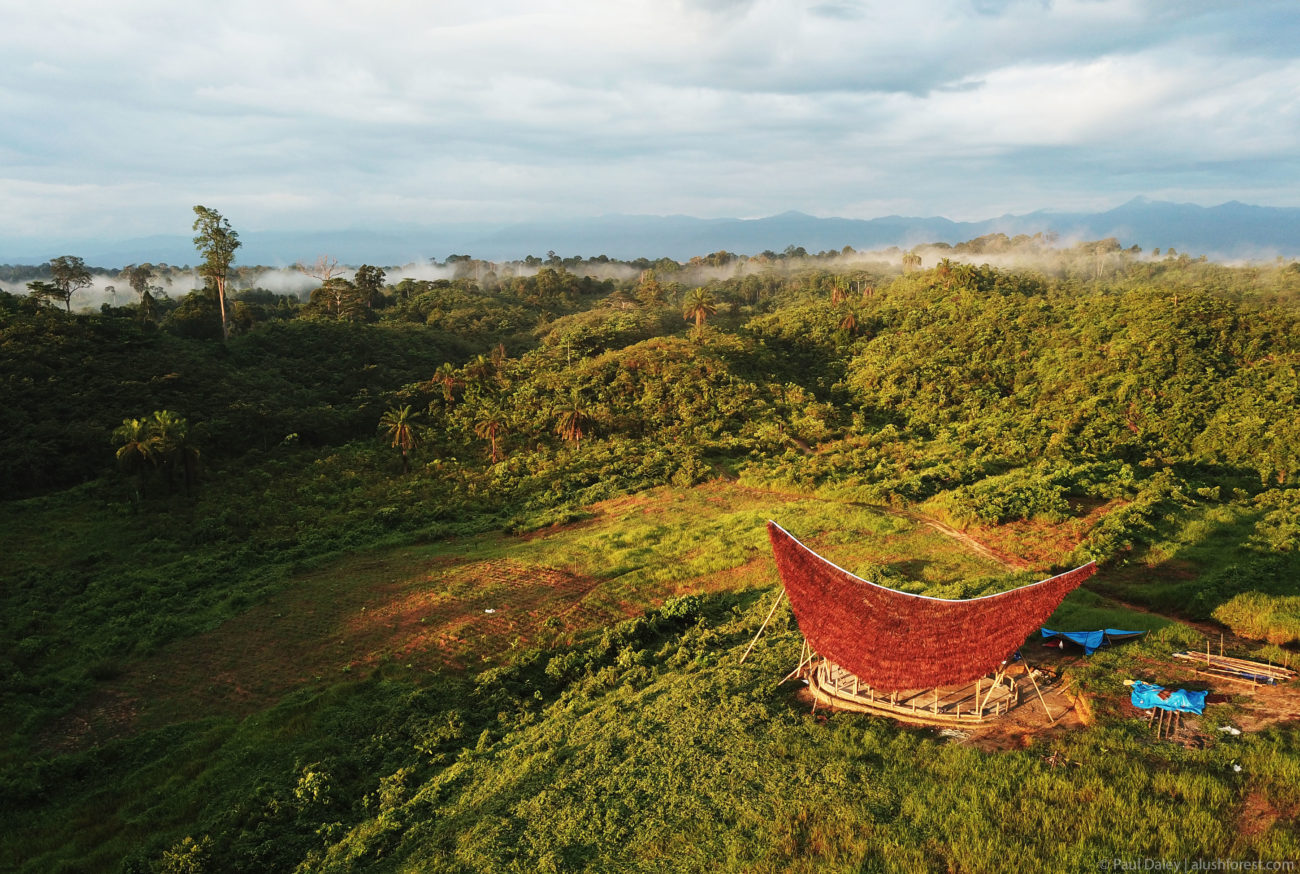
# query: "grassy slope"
305,728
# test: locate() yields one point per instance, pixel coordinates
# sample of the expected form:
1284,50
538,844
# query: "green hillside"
249,641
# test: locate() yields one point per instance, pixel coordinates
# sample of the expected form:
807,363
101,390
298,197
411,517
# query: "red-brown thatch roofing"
895,640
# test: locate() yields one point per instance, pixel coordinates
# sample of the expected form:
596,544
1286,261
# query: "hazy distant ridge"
1229,230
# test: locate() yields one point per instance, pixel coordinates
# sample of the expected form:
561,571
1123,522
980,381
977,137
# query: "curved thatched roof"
895,640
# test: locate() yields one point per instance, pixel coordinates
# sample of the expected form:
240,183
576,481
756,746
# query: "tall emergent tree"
68,274
139,276
216,241
369,282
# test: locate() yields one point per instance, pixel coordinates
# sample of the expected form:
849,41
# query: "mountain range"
1228,231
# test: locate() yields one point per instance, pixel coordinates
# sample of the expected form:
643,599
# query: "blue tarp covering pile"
1146,696
1091,641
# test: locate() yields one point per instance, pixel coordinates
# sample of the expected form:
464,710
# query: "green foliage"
1136,522
1279,528
161,441
1160,393
1274,618
1022,494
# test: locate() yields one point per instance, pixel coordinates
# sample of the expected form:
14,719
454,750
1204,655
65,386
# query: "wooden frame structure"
970,704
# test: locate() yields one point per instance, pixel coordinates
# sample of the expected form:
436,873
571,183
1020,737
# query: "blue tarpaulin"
1092,640
1146,696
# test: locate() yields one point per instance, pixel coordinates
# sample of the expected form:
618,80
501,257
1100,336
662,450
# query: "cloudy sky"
306,114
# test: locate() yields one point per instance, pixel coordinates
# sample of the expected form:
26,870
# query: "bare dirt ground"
1033,545
423,615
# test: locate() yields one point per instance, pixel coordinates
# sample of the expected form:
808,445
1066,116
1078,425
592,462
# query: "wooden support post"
777,603
1220,644
936,701
805,657
1041,700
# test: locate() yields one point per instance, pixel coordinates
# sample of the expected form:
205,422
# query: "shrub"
1274,618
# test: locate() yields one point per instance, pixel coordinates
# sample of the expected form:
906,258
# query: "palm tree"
135,449
572,423
447,376
401,427
944,270
849,324
489,426
480,369
169,435
700,304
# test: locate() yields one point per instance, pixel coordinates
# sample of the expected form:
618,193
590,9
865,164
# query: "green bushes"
1121,530
1274,618
1022,494
1279,528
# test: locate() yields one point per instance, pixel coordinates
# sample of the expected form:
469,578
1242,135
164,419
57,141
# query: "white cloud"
121,116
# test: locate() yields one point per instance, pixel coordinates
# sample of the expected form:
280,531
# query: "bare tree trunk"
221,299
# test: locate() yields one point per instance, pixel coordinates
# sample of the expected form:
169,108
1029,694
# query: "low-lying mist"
1041,252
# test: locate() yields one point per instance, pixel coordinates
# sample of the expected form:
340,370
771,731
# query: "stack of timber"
1238,670
983,701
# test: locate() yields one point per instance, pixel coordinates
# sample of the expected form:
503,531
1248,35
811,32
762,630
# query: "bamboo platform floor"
950,706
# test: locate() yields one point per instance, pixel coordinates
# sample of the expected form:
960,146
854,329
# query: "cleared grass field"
471,603
505,702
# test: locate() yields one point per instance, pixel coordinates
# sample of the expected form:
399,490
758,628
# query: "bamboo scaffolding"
840,689
780,596
805,658
1041,700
